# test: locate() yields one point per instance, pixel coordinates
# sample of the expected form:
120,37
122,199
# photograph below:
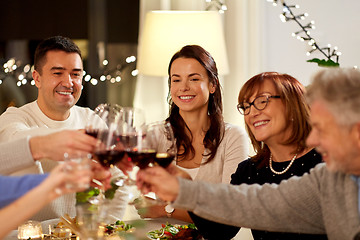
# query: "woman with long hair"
208,148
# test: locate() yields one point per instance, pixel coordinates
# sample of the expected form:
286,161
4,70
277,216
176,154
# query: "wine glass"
156,147
81,161
89,222
130,133
131,126
160,137
103,117
108,150
103,125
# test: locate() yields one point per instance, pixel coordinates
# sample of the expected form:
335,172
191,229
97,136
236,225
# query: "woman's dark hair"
215,132
292,94
56,43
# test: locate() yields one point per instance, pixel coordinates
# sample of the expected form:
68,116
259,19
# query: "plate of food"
118,227
110,231
169,231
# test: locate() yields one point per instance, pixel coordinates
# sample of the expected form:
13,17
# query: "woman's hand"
61,181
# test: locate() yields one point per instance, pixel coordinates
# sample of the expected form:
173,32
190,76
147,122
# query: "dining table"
140,232
142,226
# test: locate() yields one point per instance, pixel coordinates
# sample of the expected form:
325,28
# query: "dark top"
247,172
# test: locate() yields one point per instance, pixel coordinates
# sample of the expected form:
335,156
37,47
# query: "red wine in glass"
164,159
92,132
142,158
108,158
128,140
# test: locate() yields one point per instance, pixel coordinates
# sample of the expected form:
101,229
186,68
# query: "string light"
135,72
22,73
16,70
113,75
331,55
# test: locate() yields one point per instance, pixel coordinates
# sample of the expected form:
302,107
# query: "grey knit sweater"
319,202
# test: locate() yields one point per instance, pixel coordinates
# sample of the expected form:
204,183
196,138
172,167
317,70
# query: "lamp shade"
166,32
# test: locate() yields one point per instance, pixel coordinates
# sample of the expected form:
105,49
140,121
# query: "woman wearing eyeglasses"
277,121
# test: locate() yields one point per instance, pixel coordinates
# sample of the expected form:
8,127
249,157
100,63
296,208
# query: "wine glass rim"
102,106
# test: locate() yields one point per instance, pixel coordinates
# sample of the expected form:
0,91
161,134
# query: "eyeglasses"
259,103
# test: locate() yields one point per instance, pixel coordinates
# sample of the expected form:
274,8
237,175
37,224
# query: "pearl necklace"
283,171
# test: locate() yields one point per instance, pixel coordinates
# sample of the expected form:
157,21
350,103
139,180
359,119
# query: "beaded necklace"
283,171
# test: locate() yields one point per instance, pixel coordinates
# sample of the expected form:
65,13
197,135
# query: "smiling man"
54,119
58,77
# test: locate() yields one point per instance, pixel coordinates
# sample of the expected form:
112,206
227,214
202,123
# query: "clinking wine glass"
103,125
108,152
162,139
109,148
130,132
157,147
131,126
103,116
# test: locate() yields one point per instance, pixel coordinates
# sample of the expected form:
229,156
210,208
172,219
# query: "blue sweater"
12,188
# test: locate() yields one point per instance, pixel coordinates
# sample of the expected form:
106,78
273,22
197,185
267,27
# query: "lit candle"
30,229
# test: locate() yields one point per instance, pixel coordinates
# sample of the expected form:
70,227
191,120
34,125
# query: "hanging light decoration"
22,73
112,75
219,5
18,71
331,54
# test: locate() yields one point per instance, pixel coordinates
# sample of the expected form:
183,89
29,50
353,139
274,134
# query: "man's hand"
54,145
